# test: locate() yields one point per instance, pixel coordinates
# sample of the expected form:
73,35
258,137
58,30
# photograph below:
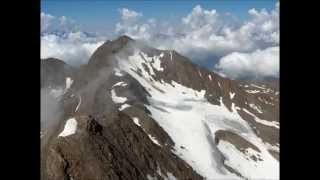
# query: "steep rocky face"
54,72
135,112
121,150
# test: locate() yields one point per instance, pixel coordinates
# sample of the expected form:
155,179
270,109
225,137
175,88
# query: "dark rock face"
54,72
121,150
108,144
234,138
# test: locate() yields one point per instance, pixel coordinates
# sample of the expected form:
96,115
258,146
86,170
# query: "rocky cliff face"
135,112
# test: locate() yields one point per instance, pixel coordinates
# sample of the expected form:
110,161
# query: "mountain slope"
142,113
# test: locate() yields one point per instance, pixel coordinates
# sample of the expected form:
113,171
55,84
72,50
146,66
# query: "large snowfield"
191,121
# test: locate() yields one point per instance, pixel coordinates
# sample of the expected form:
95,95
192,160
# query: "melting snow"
123,106
116,98
260,87
249,168
117,72
154,61
69,82
252,91
171,176
272,147
191,121
136,121
120,84
69,128
264,122
78,104
210,77
232,95
154,140
253,106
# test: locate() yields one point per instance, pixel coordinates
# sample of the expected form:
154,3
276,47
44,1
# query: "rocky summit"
134,112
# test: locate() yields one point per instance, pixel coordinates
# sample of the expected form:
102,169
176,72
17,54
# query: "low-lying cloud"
257,64
73,49
203,35
62,39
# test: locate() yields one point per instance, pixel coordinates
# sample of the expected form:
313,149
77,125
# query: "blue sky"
96,15
214,39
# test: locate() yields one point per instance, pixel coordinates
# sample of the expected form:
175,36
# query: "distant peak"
124,39
121,41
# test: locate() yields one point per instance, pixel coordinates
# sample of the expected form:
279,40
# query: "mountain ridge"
150,86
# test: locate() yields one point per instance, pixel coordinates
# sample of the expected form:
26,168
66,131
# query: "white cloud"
129,15
61,39
259,63
202,35
200,17
46,21
206,35
72,50
130,25
50,24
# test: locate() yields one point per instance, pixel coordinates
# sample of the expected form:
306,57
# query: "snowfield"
191,121
69,128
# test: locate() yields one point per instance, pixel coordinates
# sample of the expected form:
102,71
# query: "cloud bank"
60,38
203,35
257,64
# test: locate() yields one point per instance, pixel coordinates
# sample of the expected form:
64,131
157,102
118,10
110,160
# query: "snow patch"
262,121
69,128
121,83
116,98
232,95
253,106
69,82
154,140
123,107
248,167
136,121
78,104
117,72
252,91
260,87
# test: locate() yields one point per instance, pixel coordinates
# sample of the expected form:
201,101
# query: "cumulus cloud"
131,26
203,35
73,50
129,15
257,64
207,35
60,38
50,24
200,17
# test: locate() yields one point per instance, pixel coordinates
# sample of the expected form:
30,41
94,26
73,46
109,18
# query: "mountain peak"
124,38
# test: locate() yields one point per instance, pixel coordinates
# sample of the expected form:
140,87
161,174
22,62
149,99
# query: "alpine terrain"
134,112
